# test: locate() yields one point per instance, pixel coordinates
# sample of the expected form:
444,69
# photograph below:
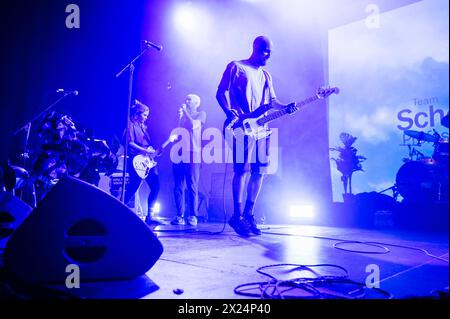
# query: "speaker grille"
87,227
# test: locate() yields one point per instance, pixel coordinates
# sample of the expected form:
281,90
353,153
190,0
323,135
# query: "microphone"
180,111
67,92
154,46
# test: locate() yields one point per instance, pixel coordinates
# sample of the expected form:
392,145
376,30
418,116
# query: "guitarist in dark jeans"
186,173
139,143
249,87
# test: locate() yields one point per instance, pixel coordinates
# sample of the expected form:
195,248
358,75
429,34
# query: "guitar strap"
266,85
146,135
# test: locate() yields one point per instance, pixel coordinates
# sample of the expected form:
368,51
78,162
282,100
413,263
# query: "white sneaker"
178,220
192,220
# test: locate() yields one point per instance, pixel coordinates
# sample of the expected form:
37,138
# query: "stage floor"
200,265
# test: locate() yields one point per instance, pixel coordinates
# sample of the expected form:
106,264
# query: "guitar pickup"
263,134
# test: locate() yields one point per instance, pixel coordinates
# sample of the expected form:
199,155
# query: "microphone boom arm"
28,124
130,90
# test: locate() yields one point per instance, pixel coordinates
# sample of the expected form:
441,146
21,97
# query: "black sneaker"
239,226
250,220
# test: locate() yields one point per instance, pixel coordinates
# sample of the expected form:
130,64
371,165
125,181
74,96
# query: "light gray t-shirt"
195,132
249,87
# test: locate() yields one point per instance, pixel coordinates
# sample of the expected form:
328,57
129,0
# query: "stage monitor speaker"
77,223
13,212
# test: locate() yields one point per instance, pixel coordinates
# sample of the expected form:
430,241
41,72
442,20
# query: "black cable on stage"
316,287
300,268
338,244
379,244
206,232
412,248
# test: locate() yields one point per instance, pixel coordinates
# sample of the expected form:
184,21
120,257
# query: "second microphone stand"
27,127
130,91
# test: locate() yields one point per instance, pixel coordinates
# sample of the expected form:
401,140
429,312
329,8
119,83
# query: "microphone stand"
27,128
130,90
27,125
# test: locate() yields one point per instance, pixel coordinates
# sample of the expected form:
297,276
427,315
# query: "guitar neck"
165,144
274,115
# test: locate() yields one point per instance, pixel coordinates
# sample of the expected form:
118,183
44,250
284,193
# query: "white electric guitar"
144,163
253,124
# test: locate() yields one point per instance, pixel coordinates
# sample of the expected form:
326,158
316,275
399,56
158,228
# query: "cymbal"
421,136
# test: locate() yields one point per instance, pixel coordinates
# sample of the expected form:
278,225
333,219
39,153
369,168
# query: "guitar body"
245,126
143,164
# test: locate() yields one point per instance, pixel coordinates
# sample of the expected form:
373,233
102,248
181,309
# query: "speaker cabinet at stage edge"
76,223
13,212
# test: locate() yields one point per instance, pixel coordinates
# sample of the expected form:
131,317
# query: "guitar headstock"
173,138
324,92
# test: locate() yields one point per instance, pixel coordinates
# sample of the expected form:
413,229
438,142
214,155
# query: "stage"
205,263
208,266
350,192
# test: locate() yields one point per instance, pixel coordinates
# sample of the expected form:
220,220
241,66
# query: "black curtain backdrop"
40,54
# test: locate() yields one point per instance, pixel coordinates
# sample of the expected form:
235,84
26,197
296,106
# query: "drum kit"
424,178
